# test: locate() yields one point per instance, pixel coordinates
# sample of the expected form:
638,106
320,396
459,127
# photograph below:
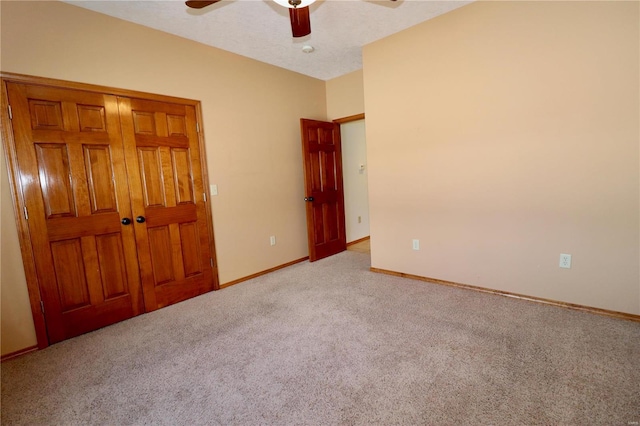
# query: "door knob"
140,219
125,221
308,198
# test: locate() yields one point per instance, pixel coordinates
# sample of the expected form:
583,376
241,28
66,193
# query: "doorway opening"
355,182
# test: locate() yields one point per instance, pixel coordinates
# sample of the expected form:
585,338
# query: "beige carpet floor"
332,343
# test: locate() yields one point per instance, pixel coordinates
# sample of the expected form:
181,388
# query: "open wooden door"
324,194
74,183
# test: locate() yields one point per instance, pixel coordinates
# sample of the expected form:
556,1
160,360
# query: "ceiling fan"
298,13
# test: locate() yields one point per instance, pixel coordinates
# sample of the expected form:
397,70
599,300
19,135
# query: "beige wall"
345,95
16,324
511,137
251,122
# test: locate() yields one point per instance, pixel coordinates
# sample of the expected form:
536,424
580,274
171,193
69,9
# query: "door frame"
8,143
349,119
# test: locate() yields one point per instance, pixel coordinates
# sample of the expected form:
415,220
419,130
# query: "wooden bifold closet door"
163,161
113,195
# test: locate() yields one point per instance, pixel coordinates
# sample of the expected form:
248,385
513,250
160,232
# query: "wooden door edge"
24,237
307,192
349,118
208,203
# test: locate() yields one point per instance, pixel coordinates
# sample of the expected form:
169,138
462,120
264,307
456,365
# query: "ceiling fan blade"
200,4
300,23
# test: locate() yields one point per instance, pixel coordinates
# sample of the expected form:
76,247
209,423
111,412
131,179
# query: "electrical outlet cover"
565,261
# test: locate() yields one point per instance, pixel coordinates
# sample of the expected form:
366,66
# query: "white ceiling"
260,29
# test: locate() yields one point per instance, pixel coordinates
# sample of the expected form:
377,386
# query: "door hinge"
26,212
42,306
211,261
10,112
197,127
204,195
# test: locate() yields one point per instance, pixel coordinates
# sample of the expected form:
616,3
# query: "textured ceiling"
260,29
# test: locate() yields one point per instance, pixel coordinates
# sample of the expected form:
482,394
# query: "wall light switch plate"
214,189
416,244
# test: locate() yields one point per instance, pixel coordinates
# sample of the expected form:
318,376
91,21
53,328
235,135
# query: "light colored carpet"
332,343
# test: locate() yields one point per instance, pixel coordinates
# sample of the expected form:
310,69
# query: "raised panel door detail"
330,222
161,254
45,115
316,171
318,223
182,178
166,161
55,181
152,178
144,123
329,171
112,269
176,125
100,178
325,137
70,275
190,242
312,136
91,118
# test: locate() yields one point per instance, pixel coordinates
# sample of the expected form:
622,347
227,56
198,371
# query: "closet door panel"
73,178
163,161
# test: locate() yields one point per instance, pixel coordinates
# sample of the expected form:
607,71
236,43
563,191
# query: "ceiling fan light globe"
285,3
